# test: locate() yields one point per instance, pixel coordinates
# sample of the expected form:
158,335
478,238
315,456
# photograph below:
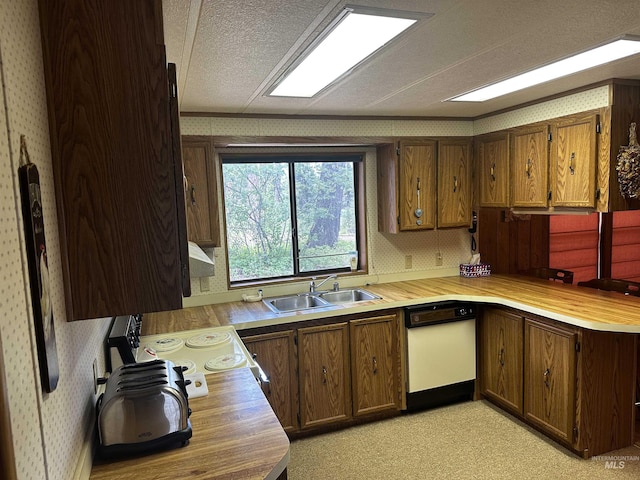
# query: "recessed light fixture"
623,47
352,37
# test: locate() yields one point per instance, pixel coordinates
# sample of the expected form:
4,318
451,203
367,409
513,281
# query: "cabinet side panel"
387,177
607,391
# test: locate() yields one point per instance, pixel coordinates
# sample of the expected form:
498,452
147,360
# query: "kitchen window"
292,215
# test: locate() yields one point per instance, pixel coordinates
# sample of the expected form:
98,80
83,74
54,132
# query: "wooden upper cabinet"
424,183
201,191
493,169
407,185
117,183
454,183
573,161
529,166
417,184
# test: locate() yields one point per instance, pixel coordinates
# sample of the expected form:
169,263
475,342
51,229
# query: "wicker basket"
478,270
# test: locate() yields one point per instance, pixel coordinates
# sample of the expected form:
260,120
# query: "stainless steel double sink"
308,301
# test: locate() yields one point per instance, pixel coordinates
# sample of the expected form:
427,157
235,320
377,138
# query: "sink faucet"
313,286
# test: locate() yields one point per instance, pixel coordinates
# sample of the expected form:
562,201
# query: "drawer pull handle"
493,172
501,357
375,365
193,194
527,168
546,374
324,374
572,167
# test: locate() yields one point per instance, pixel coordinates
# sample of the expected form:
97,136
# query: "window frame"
358,160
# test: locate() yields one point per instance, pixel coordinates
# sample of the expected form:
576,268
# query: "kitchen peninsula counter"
235,435
580,306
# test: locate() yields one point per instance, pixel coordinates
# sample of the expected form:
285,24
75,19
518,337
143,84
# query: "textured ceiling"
228,53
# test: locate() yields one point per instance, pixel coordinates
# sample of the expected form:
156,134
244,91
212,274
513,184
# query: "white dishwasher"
441,353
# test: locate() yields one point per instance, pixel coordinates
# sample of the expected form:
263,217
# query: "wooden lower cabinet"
337,373
325,376
550,379
502,358
373,367
575,385
275,353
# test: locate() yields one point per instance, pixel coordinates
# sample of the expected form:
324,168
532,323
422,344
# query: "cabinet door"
454,186
275,353
574,162
550,378
325,384
374,368
202,192
417,184
529,166
493,170
502,358
109,120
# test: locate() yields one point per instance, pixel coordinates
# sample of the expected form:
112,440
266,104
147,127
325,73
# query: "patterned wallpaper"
49,430
386,251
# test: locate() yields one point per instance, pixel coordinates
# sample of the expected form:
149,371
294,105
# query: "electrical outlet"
408,261
438,259
95,376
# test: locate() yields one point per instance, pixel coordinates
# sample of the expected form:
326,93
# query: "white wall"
48,430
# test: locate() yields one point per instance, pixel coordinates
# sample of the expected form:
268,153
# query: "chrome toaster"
144,408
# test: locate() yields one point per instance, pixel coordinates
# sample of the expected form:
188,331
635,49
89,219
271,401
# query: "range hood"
200,264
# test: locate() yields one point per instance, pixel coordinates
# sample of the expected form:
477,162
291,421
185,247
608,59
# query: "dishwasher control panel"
441,312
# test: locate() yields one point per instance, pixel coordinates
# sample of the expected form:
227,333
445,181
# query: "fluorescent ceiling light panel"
354,37
610,52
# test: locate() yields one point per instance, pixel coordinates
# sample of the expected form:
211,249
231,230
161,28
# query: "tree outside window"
289,216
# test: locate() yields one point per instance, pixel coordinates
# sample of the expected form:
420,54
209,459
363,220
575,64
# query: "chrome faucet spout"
312,285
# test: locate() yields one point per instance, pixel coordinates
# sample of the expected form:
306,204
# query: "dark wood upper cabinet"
117,170
202,192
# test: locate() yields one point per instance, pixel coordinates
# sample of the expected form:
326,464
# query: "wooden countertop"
235,435
580,306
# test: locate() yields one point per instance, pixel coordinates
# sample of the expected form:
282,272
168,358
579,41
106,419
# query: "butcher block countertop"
580,306
235,435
